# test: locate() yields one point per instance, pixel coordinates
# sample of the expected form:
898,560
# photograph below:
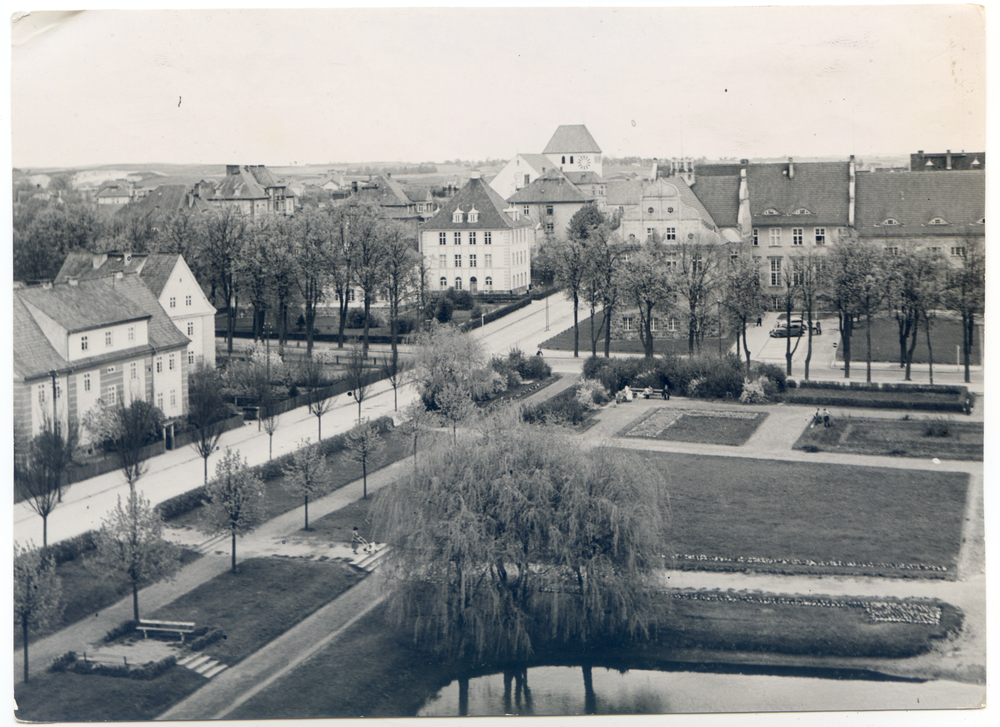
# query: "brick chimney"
791,168
851,191
947,163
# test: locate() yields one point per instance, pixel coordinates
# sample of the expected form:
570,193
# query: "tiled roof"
33,354
386,191
154,268
539,162
155,272
550,188
571,138
623,192
479,195
239,186
417,194
913,199
716,170
686,195
168,198
819,187
720,196
90,304
263,176
114,190
585,178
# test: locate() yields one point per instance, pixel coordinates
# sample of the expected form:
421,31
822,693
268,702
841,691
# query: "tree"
604,258
269,420
811,269
235,504
37,593
742,296
400,269
791,279
965,292
420,420
455,405
646,284
40,466
570,262
357,376
365,444
394,372
858,283
306,474
206,411
224,232
136,425
253,269
522,539
445,355
697,273
366,227
130,546
312,235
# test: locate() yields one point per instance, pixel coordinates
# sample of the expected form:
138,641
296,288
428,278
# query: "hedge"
880,386
187,501
206,639
858,399
71,662
71,548
876,395
125,627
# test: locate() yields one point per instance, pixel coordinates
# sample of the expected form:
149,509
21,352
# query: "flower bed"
732,428
897,438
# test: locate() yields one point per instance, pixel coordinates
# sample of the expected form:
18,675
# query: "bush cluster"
517,367
70,662
560,409
125,627
592,394
71,548
206,638
356,319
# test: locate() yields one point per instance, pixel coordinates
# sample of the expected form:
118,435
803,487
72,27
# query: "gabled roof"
479,195
167,198
86,306
913,199
550,187
585,178
153,268
155,272
622,192
417,194
386,191
572,138
33,354
115,190
539,162
721,197
716,170
820,187
242,185
684,193
263,176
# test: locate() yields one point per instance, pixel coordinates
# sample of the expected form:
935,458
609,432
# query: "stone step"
214,670
184,661
211,544
201,659
206,666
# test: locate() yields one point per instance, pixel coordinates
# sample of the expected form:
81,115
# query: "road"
86,503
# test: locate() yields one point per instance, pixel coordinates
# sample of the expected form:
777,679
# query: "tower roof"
572,138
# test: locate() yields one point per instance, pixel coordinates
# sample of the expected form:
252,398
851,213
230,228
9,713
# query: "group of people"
821,417
627,394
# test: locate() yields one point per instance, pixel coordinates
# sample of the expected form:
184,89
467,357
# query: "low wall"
80,472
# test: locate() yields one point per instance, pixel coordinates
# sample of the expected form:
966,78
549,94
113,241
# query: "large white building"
476,242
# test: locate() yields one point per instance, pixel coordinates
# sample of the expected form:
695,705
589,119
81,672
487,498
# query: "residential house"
117,192
169,279
551,200
476,242
392,198
249,188
83,343
519,172
167,198
947,162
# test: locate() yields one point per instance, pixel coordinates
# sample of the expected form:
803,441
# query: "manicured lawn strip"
522,391
85,593
266,598
338,526
962,441
68,697
342,469
733,507
676,346
874,399
945,335
704,429
374,669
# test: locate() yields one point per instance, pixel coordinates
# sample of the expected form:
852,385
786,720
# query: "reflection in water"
557,690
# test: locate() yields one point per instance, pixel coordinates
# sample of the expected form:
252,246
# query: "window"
649,233
457,238
443,283
820,235
190,328
488,260
798,274
472,238
776,302
458,261
548,209
776,271
756,232
350,295
442,261
133,372
958,252
458,283
131,333
563,160
159,364
457,217
774,237
802,211
771,212
796,235
472,261
527,179
939,221
159,401
696,263
671,233
649,211
890,222
83,343
550,228
654,324
41,393
112,395
489,282
173,302
108,339
473,215
442,238
190,357
487,238
627,323
934,250
571,160
86,382
171,362
111,369
671,324
173,397
527,210
187,300
893,251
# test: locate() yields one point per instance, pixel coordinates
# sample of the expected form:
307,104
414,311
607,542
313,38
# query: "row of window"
458,215
629,324
669,234
457,237
187,301
443,261
109,338
473,283
798,236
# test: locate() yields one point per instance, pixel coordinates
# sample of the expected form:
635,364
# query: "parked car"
794,327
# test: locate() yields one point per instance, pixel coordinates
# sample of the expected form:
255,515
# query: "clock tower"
573,149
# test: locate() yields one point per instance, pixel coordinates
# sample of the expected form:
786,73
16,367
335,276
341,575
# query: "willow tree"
522,539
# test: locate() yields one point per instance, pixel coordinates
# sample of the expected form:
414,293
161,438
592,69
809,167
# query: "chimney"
232,169
791,168
654,170
475,175
119,275
947,164
851,191
99,259
72,281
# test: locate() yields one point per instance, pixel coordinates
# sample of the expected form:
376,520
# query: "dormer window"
473,215
890,222
938,221
457,217
981,221
975,162
771,211
802,211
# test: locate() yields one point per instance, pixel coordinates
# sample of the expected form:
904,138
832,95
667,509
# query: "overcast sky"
281,87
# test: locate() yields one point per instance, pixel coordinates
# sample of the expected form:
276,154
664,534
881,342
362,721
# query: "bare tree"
570,261
312,234
367,231
395,372
604,258
811,270
400,269
647,284
965,291
365,444
696,274
130,546
742,296
357,376
455,405
235,504
39,468
791,294
206,411
37,593
306,474
224,231
269,420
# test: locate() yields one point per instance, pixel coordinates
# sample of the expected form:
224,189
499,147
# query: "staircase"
211,544
202,664
369,561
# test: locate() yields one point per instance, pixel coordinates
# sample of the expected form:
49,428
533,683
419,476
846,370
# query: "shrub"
461,299
125,627
356,319
591,395
63,662
206,639
534,367
753,391
444,310
774,373
405,326
71,548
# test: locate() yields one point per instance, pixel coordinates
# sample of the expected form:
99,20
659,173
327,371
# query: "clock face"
584,162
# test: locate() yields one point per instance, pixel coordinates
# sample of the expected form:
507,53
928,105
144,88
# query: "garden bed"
898,438
732,428
563,409
880,396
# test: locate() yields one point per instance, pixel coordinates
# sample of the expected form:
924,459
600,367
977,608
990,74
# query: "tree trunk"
234,549
903,331
343,318
135,600
930,351
307,513
589,697
24,632
45,530
364,478
968,337
368,305
607,332
393,322
463,697
593,331
270,445
508,677
576,325
809,341
913,345
206,468
319,423
846,325
310,320
868,337
746,348
230,325
647,341
692,322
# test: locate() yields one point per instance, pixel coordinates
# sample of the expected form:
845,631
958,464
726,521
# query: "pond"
563,690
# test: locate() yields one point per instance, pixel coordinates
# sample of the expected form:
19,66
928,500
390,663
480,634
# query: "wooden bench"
177,627
654,393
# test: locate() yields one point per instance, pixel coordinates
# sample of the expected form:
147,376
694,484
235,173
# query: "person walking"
356,540
826,419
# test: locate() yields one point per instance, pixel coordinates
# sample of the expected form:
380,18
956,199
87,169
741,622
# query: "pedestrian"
819,330
356,540
760,321
826,419
539,352
647,392
628,392
816,419
666,388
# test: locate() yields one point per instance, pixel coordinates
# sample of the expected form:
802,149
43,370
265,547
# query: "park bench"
654,393
177,627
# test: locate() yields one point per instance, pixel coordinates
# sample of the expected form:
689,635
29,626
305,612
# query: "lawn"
731,513
342,471
266,598
394,677
897,399
902,438
946,334
338,526
564,341
703,426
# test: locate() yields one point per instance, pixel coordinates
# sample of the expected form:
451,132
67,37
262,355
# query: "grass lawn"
938,438
266,598
679,346
86,592
732,513
946,334
393,677
706,427
338,526
342,470
838,396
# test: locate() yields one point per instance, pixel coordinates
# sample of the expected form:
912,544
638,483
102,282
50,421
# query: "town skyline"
840,81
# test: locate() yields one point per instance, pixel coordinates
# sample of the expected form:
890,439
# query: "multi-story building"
249,188
170,280
668,209
86,343
476,242
948,161
551,200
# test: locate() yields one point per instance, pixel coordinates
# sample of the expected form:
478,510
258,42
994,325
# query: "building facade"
551,201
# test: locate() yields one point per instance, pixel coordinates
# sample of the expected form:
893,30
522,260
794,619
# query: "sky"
406,84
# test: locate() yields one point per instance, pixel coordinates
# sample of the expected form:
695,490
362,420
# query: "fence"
80,472
186,438
335,389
